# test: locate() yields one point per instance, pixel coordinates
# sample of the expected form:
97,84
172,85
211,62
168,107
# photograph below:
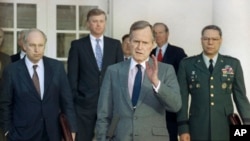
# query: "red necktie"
159,57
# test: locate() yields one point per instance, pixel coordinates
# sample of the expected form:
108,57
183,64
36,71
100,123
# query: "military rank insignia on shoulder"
230,57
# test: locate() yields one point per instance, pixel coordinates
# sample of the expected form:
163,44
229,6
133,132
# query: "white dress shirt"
22,54
93,43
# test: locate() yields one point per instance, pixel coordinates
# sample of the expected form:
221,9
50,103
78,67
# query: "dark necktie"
35,79
211,67
159,57
98,53
137,85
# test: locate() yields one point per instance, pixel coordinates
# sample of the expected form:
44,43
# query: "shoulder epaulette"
190,57
230,57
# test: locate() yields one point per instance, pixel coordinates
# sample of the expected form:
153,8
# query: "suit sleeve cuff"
156,89
183,127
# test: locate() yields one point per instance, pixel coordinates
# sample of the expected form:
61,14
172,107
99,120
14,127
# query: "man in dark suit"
21,53
4,61
87,63
31,108
4,58
136,93
169,54
211,80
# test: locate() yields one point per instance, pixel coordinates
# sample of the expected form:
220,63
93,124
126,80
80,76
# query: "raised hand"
152,71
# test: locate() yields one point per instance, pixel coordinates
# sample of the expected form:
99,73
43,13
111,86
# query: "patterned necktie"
159,57
98,53
35,79
211,67
137,85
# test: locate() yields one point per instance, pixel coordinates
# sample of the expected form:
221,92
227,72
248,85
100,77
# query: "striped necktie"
98,54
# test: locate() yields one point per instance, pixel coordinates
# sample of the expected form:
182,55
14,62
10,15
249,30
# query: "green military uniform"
211,101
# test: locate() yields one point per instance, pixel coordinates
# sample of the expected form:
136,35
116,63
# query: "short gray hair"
164,25
140,25
214,27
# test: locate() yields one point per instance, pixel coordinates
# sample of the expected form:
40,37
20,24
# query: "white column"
233,18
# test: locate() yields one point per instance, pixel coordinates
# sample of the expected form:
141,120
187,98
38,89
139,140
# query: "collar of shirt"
163,49
22,54
206,59
93,42
133,64
128,57
93,38
29,65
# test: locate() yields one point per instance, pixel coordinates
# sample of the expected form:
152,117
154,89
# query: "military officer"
211,79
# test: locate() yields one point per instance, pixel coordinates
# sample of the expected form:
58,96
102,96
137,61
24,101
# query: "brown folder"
234,119
67,136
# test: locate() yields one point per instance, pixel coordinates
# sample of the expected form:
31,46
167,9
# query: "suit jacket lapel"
88,50
168,55
146,84
124,72
146,87
48,76
106,52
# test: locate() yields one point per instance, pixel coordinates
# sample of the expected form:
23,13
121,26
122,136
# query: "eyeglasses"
210,39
